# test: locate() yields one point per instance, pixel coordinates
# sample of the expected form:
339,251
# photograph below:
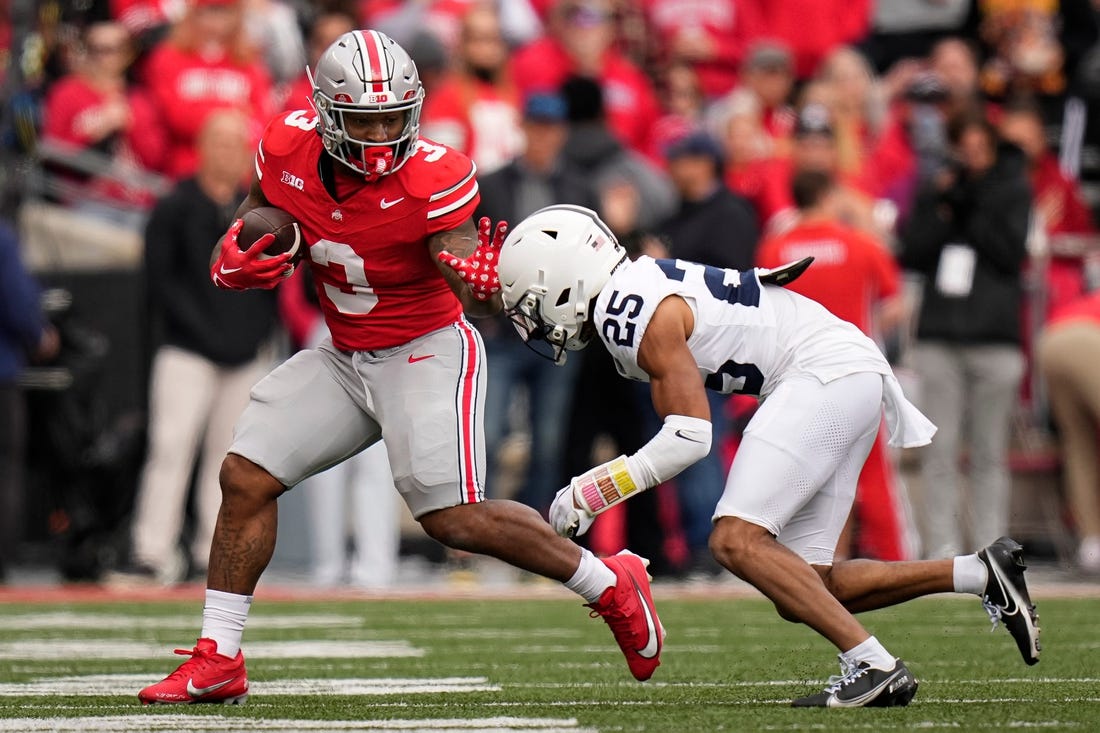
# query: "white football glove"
566,519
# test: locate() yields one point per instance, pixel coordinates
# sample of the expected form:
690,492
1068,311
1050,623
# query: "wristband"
604,486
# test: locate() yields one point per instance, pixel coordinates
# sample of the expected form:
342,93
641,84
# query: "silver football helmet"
366,71
552,266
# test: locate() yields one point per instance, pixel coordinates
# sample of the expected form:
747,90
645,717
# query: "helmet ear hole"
563,298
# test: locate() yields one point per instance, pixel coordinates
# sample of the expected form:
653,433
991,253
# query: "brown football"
270,220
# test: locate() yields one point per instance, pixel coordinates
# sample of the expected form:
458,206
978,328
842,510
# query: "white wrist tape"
681,442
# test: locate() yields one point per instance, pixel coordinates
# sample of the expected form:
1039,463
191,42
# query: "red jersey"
850,273
186,87
378,285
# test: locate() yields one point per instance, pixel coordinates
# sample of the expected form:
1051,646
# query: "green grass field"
537,665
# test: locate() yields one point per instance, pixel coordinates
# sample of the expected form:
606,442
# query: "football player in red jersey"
397,260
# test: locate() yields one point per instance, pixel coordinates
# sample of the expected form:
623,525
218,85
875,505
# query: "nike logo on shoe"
413,359
387,204
649,651
200,691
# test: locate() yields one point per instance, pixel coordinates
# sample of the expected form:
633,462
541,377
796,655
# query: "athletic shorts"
425,397
796,469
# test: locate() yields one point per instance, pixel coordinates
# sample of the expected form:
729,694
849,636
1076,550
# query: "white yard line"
53,649
225,724
126,622
128,684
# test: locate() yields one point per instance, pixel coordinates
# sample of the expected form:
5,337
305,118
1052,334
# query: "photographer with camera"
966,236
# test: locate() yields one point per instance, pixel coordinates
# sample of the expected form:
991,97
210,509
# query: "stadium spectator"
768,72
684,327
1068,351
24,333
475,108
813,28
324,29
857,280
205,63
357,494
1060,206
814,148
210,351
857,111
966,236
580,42
682,107
954,62
751,164
398,261
712,36
712,224
616,171
539,177
95,118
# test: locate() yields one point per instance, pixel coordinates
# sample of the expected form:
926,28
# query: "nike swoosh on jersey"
387,204
650,649
413,359
224,271
687,437
200,691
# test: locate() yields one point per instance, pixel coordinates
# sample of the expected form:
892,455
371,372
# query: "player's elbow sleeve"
680,442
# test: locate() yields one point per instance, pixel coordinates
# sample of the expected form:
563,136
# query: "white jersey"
747,336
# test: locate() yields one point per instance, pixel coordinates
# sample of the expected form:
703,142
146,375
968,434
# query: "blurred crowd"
939,158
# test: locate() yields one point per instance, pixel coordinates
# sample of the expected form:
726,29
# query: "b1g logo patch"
292,180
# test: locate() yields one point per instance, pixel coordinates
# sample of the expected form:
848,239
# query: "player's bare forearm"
462,242
254,200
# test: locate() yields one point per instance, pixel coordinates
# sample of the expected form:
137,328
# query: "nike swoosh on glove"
566,519
479,270
237,269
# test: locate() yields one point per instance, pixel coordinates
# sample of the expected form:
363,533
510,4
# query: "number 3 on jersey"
354,296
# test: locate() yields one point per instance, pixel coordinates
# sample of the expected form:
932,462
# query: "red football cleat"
206,677
628,609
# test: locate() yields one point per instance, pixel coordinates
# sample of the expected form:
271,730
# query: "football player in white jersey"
686,327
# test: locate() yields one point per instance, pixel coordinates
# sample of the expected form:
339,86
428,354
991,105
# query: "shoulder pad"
784,274
286,131
436,170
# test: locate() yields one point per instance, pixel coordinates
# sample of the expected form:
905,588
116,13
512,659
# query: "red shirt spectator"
711,35
205,65
813,28
92,109
475,109
580,42
851,271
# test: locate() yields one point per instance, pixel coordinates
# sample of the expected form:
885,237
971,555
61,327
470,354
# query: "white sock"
872,652
970,574
591,579
223,618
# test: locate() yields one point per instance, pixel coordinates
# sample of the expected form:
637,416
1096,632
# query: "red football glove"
479,271
241,270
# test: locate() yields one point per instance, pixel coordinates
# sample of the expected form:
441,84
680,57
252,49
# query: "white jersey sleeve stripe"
457,203
258,160
460,184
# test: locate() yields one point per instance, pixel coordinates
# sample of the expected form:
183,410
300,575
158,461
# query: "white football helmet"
552,266
366,71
